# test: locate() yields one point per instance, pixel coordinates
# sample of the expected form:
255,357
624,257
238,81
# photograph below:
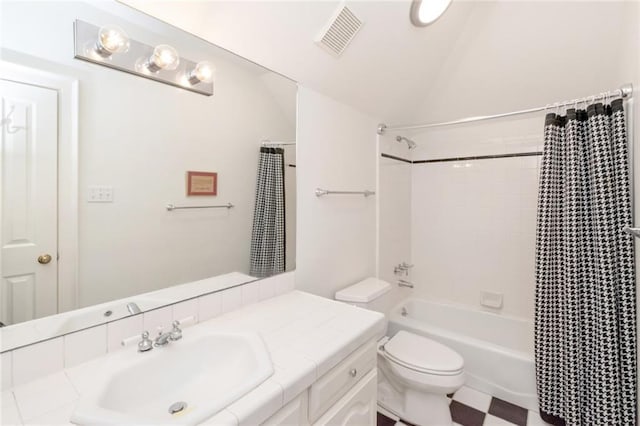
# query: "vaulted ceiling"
487,56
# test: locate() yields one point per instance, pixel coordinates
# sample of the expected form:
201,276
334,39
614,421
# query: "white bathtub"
497,349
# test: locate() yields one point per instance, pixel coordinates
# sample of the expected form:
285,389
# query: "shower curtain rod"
626,91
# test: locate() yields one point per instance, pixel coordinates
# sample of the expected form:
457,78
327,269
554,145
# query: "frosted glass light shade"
203,72
425,12
112,39
164,57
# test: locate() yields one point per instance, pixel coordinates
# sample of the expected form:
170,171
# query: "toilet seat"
423,355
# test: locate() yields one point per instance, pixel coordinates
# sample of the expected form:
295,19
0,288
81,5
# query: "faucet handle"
145,344
176,333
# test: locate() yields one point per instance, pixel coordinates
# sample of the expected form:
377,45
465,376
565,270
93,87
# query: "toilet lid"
423,354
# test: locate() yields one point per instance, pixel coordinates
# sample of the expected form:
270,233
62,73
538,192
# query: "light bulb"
203,72
425,12
164,57
111,39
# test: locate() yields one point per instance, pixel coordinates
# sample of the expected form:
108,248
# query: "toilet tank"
365,294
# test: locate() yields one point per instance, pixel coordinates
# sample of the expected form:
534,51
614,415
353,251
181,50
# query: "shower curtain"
585,320
268,235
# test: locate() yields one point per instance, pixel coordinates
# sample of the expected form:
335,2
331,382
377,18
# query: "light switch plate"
100,194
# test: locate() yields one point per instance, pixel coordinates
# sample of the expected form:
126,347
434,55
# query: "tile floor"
470,407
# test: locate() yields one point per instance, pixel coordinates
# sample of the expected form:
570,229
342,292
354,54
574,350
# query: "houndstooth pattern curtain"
268,235
585,321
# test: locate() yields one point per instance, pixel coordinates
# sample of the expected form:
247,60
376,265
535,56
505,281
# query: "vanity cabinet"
327,390
292,414
345,395
358,407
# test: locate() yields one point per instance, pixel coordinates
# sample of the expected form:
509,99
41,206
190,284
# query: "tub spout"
403,283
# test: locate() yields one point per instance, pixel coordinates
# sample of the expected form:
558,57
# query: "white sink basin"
206,373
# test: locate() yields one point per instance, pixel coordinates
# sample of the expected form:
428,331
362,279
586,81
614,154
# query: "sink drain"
176,407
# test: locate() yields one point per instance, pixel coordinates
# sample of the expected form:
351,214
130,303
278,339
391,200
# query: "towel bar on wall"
322,192
632,231
172,207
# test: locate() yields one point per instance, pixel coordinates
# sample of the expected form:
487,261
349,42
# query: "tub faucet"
403,283
402,267
173,335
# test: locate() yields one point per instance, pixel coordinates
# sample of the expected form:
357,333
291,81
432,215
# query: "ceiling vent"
339,31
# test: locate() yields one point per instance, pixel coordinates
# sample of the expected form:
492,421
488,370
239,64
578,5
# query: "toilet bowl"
423,371
416,372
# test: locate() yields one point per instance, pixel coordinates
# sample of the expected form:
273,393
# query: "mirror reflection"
85,217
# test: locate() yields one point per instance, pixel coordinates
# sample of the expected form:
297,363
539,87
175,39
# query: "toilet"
416,373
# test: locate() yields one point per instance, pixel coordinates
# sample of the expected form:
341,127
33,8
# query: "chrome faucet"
403,283
402,267
173,335
145,344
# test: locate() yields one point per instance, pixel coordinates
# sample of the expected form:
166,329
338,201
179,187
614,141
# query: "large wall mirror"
137,139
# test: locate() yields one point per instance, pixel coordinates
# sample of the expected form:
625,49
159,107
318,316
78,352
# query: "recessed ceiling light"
425,12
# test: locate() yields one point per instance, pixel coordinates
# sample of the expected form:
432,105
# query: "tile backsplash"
32,362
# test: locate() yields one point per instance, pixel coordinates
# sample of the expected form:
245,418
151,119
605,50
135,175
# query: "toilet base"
418,408
426,409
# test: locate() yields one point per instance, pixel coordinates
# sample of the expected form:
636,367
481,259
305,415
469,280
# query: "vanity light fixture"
111,39
110,46
164,57
203,72
426,12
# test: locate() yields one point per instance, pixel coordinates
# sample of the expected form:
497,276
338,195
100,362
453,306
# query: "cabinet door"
358,407
328,390
292,414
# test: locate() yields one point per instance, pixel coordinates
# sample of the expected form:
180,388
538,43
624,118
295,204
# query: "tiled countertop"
306,336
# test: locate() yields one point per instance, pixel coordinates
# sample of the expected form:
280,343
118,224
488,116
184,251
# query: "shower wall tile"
394,186
473,222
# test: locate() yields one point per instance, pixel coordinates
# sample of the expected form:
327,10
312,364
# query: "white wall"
514,55
394,217
473,223
336,234
140,137
290,204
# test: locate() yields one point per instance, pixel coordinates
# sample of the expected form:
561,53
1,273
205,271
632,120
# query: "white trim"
68,94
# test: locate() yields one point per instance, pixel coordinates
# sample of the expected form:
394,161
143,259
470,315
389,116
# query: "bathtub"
497,349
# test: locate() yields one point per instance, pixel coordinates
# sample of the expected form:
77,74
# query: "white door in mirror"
29,220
